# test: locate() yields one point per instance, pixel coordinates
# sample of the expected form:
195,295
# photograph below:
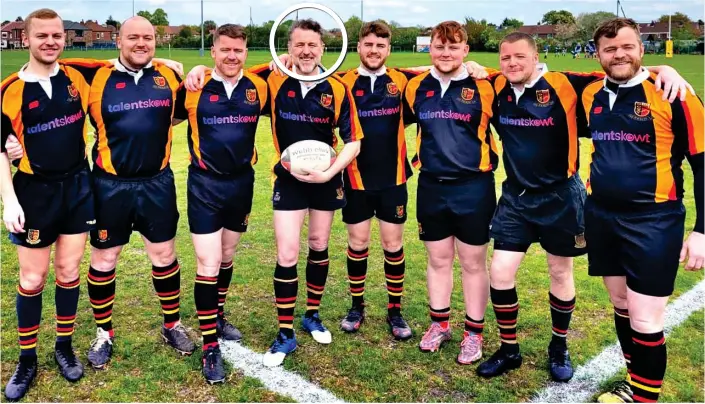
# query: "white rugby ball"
307,155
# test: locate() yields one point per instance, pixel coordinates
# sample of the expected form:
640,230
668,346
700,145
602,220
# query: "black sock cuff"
101,274
480,321
621,312
314,255
504,296
439,311
285,273
396,254
358,254
650,339
68,285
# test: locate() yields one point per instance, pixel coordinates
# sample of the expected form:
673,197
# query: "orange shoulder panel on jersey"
79,82
499,83
261,87
274,82
191,106
487,97
589,97
12,89
662,118
169,75
340,93
258,68
411,87
398,78
694,118
349,77
95,102
93,63
569,98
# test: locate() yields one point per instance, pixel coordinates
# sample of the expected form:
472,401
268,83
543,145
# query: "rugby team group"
628,217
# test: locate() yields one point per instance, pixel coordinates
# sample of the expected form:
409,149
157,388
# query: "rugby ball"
307,155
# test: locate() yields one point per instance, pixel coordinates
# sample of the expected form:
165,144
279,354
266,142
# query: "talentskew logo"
143,104
378,112
289,116
426,115
56,123
231,119
528,122
621,136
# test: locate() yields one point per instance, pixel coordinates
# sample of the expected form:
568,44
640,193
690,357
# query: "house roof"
95,27
13,25
538,29
171,29
68,24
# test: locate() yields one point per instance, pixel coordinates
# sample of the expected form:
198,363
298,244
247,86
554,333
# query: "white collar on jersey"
229,88
634,81
136,74
362,71
372,75
45,82
542,68
461,75
306,86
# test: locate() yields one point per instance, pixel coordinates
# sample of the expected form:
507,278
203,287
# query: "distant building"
539,31
11,35
102,35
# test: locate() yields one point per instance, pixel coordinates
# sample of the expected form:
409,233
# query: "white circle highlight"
337,63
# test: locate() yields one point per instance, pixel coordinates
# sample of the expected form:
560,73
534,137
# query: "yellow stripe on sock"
102,306
284,325
286,306
395,280
167,276
64,334
207,317
29,346
170,297
357,294
315,292
65,321
208,332
645,388
100,283
207,282
103,320
394,293
286,280
393,263
356,282
26,334
176,310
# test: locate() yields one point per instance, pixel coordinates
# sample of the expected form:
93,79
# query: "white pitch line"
275,379
588,377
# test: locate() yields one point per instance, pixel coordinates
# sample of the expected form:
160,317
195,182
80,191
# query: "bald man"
133,106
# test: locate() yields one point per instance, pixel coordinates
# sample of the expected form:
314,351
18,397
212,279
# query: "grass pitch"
367,366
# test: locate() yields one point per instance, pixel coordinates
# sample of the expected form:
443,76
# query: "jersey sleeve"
87,67
581,80
5,131
409,74
408,112
180,111
261,70
687,125
348,122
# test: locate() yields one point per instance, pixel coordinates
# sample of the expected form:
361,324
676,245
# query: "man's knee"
104,260
391,245
33,278
317,242
163,254
67,270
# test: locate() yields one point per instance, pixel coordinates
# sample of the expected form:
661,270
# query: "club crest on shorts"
340,193
251,94
642,109
33,236
326,100
392,88
102,236
580,241
73,91
160,81
467,93
400,211
543,96
276,197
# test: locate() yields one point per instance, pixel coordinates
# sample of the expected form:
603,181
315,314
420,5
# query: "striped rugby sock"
101,292
561,313
474,326
29,313
505,303
205,292
357,273
66,301
441,316
624,334
394,268
316,276
649,359
167,284
286,287
224,277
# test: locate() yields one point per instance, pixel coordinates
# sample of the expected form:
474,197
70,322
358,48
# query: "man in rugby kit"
49,200
542,199
456,157
222,118
634,215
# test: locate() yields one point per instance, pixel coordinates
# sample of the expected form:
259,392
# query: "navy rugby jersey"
382,162
51,130
639,143
221,130
315,116
540,130
133,120
453,136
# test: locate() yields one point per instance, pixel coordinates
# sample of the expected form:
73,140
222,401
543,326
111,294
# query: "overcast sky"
406,12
